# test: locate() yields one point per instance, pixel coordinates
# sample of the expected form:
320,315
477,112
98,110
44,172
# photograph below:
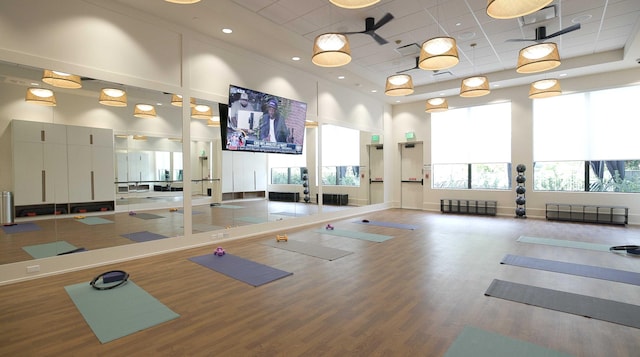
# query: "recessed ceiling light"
580,19
563,74
496,85
397,101
227,30
295,58
340,77
374,91
458,23
467,35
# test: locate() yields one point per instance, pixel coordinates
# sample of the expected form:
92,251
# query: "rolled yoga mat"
313,250
245,270
589,271
582,305
118,312
476,342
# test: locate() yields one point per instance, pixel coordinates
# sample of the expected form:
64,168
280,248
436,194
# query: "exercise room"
335,178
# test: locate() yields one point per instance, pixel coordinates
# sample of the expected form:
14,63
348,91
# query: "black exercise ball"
305,177
307,199
521,179
521,200
305,184
521,190
306,191
521,168
520,212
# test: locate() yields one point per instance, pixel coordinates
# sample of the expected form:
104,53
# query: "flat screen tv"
262,122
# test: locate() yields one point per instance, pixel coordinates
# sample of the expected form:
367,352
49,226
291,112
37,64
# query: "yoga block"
112,277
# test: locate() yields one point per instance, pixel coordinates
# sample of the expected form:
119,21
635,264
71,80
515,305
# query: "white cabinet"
39,163
91,164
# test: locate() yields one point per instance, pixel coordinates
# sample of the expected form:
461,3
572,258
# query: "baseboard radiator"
477,207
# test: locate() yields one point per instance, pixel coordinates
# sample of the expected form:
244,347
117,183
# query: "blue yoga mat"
118,312
94,220
245,270
21,228
143,236
476,342
378,238
147,216
588,271
389,224
48,249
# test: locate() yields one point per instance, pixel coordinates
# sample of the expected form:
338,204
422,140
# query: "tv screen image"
262,122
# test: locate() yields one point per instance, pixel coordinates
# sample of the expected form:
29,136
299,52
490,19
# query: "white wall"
412,117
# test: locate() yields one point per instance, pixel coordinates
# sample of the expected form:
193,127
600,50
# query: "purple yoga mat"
245,270
20,228
143,236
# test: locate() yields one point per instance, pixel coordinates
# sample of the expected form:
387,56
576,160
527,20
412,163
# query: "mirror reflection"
105,167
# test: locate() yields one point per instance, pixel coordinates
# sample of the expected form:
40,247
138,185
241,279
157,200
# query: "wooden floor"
408,296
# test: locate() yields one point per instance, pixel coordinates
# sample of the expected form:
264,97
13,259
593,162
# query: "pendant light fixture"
538,58
399,85
61,79
544,88
510,9
40,96
475,86
144,111
353,4
176,100
140,137
201,111
113,97
436,105
215,121
331,50
438,53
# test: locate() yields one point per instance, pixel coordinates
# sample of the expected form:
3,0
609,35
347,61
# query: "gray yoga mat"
378,238
582,305
476,342
313,250
238,268
389,224
147,216
48,249
202,227
118,312
251,219
565,243
143,236
589,271
93,220
21,227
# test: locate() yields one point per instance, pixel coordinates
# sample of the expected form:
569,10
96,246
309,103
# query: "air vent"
542,15
411,49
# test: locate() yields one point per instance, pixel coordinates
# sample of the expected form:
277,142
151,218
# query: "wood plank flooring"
408,296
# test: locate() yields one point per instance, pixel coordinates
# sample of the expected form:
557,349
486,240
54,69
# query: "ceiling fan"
371,26
541,34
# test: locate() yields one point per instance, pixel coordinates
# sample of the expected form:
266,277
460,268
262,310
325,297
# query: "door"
411,175
376,174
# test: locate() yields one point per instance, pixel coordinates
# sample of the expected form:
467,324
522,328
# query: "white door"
376,174
411,175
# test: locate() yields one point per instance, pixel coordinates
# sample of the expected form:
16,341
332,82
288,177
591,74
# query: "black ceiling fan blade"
383,21
379,40
563,31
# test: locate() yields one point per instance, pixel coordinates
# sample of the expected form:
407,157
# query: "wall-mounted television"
254,121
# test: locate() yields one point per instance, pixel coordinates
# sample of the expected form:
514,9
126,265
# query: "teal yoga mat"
251,219
118,312
48,249
565,243
476,342
310,249
378,238
94,220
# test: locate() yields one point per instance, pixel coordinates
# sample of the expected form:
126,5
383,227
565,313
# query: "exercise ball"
521,200
520,212
521,179
521,190
306,191
521,168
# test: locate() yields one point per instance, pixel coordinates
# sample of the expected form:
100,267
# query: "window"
340,156
587,142
286,169
471,148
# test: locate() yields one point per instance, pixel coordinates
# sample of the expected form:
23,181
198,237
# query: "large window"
340,156
587,142
471,148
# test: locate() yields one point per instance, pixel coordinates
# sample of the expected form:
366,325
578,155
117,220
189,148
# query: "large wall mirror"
85,175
